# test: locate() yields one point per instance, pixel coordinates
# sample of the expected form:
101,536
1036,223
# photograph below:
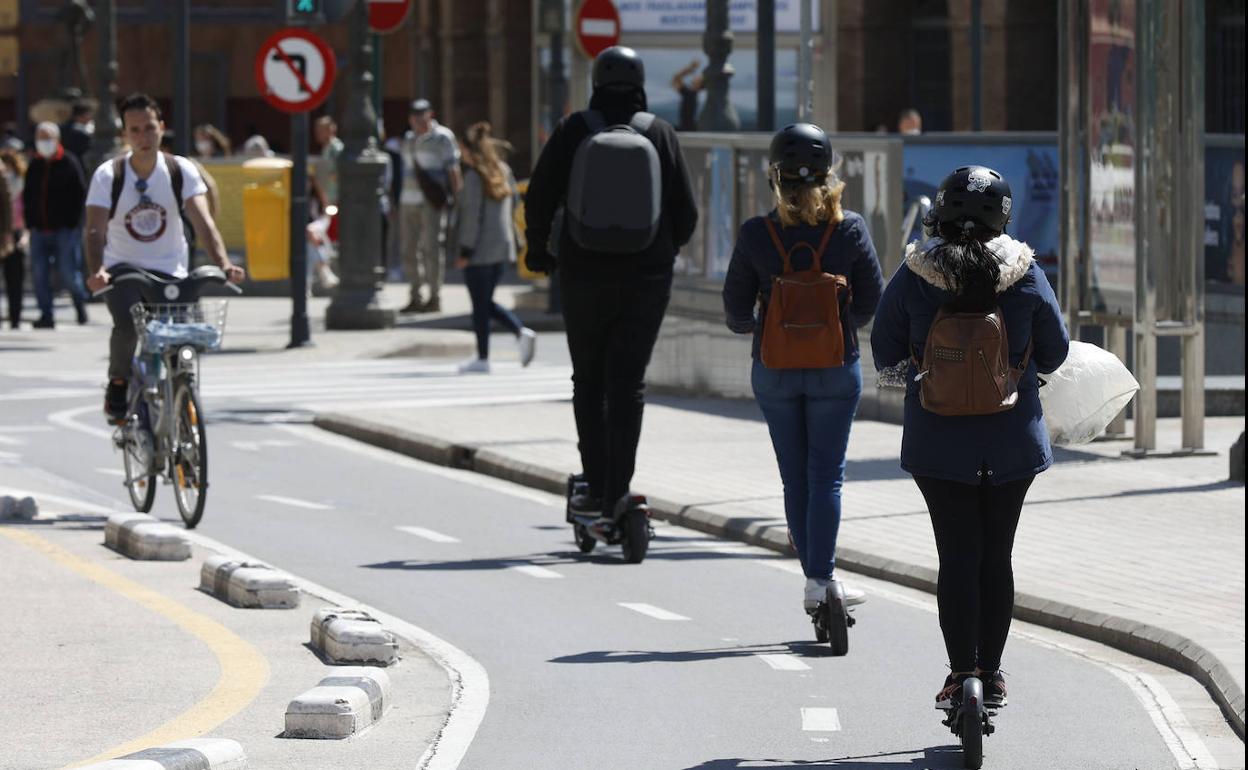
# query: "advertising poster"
638,16
1224,213
1030,168
664,101
1111,153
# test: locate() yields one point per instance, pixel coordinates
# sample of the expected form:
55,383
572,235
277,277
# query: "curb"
1141,639
341,705
143,537
352,636
247,584
193,754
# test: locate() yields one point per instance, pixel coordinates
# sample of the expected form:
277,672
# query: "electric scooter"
630,529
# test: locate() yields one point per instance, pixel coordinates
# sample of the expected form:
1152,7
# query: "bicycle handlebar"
201,275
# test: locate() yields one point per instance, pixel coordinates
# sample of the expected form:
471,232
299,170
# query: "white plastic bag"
1085,394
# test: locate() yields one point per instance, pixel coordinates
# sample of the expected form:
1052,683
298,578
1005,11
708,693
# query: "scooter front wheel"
585,542
972,724
636,539
837,619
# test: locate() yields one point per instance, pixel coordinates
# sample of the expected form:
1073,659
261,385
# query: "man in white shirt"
431,180
142,228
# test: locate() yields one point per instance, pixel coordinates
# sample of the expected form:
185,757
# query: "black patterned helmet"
976,195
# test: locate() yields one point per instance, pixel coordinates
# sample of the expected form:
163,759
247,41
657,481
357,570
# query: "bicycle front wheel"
190,453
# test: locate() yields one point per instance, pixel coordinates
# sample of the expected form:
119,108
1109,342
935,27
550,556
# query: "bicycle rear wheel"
190,453
136,455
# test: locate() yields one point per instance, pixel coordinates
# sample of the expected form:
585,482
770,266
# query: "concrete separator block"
341,705
246,584
140,536
193,754
346,635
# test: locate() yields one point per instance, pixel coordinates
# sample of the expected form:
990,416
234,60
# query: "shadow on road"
556,558
934,758
803,649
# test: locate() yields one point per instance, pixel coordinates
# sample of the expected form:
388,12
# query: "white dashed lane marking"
119,473
532,570
820,720
294,503
783,662
649,610
428,534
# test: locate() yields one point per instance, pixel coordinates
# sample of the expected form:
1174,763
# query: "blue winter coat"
995,448
755,262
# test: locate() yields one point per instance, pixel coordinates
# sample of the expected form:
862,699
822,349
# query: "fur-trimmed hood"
1016,258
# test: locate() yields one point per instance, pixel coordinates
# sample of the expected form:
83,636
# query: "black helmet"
974,194
619,66
801,154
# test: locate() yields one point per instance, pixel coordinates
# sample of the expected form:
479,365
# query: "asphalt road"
699,658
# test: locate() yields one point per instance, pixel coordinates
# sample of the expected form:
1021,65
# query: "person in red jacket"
52,199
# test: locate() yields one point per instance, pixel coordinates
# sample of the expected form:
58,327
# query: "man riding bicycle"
134,220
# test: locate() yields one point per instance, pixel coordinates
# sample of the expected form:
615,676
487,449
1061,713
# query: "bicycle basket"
162,327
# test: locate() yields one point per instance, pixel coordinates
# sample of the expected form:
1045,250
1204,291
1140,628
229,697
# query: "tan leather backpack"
802,329
966,365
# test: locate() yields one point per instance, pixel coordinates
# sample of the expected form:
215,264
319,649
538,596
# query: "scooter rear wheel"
837,620
585,542
636,536
972,726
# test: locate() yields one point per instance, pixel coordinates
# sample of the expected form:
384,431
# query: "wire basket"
161,327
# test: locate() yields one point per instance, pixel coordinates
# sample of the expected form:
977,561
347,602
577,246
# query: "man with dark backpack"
135,205
614,176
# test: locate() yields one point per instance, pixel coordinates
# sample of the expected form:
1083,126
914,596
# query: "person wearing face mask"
52,200
210,142
76,134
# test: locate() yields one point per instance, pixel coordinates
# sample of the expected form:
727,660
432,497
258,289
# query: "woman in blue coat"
973,471
808,411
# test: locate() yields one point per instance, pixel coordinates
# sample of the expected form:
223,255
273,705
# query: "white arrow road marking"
658,613
783,662
532,570
295,503
820,720
428,534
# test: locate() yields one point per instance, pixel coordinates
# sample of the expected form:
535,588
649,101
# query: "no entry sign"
295,70
597,26
385,16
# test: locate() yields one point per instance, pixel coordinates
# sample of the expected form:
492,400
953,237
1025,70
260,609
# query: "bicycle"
163,434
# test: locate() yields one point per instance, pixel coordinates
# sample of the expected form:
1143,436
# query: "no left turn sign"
295,70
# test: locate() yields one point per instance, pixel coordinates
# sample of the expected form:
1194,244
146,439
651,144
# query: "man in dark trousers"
52,199
613,303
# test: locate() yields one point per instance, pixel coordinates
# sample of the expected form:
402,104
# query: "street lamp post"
104,143
718,114
361,168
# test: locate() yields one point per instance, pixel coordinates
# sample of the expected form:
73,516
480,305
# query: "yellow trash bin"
266,218
522,248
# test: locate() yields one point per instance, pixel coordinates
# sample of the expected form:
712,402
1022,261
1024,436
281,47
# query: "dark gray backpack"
615,192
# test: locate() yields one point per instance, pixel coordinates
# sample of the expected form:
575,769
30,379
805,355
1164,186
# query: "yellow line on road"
244,671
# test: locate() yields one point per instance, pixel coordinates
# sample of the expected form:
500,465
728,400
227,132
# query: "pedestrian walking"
76,134
972,321
52,199
808,381
431,181
210,142
487,242
12,232
617,266
134,215
325,172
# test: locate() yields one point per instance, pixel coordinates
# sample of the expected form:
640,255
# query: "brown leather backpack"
802,329
967,360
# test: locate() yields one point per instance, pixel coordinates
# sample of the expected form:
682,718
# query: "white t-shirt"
146,234
435,151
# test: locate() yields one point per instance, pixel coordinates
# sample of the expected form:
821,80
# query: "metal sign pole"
300,334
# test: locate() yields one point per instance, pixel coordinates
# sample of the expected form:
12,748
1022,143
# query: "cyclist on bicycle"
134,220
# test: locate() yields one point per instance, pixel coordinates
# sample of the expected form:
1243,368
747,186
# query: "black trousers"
481,281
121,343
611,332
975,526
14,275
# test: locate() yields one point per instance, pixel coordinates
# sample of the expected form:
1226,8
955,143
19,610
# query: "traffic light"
305,13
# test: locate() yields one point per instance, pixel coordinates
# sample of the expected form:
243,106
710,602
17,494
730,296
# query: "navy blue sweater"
755,262
994,448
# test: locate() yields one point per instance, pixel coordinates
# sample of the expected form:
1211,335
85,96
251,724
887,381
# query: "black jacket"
55,193
548,188
75,140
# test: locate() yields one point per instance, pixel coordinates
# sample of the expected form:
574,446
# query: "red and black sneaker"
115,401
994,689
951,693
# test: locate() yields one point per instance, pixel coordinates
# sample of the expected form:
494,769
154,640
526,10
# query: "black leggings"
974,528
14,275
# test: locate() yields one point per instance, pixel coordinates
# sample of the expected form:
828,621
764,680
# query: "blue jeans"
481,281
64,247
809,413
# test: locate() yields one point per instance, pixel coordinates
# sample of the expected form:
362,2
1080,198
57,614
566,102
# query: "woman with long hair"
974,436
809,411
487,241
210,142
12,231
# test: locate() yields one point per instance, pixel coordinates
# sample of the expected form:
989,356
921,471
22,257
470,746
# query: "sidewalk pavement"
1143,555
109,656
